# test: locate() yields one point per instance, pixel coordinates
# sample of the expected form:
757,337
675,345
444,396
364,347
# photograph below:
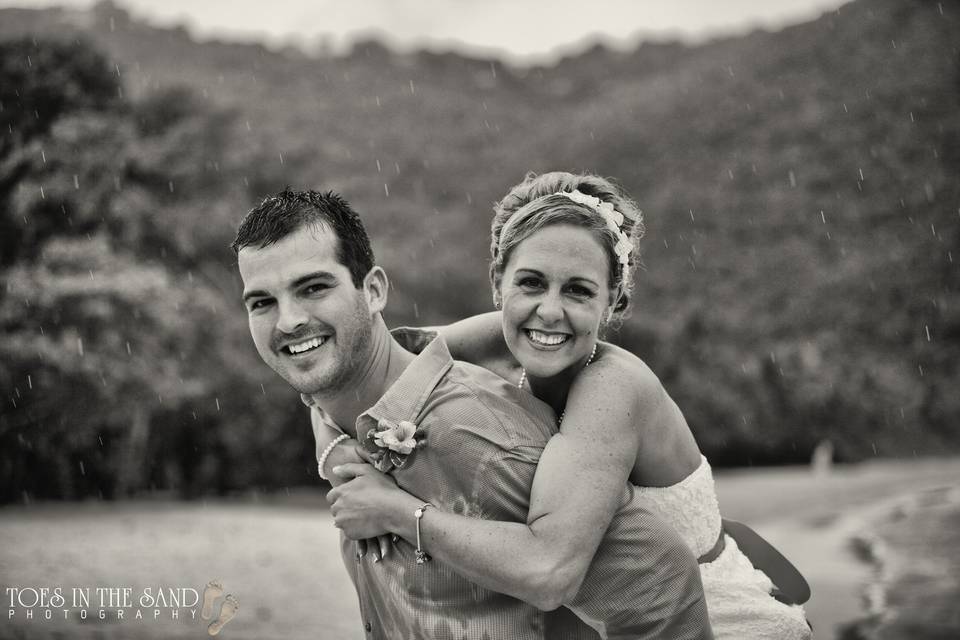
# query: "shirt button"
368,627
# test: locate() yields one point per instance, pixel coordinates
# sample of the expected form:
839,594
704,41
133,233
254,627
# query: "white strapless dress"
738,596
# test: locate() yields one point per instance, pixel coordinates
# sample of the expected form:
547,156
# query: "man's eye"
258,304
529,283
316,288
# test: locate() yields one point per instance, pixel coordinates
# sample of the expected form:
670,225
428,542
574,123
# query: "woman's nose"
291,316
550,308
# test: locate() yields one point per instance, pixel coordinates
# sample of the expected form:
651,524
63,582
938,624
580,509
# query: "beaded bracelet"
422,556
322,460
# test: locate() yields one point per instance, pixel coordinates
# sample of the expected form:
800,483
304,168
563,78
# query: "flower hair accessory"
392,444
613,218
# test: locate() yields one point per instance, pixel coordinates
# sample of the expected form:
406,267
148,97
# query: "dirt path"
813,519
280,560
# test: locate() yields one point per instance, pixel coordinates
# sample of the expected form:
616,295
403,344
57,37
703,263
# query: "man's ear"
375,287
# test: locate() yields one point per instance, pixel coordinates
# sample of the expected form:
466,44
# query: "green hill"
801,190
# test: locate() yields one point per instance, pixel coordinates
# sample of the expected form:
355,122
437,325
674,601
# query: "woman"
562,248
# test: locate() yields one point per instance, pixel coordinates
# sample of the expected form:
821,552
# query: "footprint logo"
227,610
213,590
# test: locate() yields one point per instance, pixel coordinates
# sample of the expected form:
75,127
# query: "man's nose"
550,308
291,316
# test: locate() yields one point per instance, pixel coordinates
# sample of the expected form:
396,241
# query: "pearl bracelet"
322,460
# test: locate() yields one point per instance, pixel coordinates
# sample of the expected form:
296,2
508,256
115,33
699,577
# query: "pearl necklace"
523,378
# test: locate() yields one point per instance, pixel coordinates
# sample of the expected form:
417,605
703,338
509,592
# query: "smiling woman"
562,249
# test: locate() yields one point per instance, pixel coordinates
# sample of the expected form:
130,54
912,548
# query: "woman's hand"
365,503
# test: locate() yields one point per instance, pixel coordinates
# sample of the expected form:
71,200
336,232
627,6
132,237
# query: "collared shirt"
484,438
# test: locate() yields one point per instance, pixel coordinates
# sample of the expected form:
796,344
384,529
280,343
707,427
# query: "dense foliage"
801,192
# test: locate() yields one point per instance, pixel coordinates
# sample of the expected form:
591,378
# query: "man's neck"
386,361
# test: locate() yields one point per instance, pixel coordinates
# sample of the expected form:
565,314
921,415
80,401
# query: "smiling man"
314,298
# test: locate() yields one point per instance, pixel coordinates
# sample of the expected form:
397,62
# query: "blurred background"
798,165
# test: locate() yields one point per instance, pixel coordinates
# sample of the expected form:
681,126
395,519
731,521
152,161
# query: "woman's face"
555,293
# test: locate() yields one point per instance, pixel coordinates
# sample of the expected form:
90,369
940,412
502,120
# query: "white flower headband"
613,218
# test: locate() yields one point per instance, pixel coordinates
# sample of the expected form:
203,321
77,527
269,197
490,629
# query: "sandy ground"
280,558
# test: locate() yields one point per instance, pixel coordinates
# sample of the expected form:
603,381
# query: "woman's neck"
554,389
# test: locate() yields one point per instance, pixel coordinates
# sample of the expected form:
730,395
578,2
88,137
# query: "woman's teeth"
306,346
546,339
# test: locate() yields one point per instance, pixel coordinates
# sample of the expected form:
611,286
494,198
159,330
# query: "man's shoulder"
471,395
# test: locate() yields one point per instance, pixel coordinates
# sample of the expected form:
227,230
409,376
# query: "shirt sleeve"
643,582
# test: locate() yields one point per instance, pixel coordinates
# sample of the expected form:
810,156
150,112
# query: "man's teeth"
546,338
306,346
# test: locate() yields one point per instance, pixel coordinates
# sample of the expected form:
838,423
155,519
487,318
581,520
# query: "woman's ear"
375,288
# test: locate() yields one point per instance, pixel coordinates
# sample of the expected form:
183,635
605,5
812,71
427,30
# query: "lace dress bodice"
690,506
738,595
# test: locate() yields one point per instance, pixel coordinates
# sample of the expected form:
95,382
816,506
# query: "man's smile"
305,346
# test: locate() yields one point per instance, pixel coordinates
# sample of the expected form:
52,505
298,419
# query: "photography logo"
228,608
30,605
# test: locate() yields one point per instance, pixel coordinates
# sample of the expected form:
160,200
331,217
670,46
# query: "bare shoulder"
617,371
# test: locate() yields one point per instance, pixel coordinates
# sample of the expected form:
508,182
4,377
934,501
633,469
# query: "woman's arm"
579,484
479,340
343,452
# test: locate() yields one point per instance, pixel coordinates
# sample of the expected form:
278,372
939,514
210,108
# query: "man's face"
308,321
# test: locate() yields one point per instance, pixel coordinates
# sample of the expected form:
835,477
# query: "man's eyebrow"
315,275
254,294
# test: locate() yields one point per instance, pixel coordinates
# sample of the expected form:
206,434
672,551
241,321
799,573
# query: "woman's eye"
581,292
529,283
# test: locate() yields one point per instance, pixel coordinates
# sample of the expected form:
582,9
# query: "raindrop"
386,189
42,195
927,329
129,352
379,170
170,186
80,346
823,217
263,389
83,471
43,156
29,382
281,157
76,181
412,89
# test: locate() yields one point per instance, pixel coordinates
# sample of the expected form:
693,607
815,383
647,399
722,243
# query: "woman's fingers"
362,453
384,541
352,470
361,548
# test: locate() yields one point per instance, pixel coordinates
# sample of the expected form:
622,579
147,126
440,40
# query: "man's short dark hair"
284,213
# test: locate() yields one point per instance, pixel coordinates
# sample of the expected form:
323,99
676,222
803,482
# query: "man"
314,298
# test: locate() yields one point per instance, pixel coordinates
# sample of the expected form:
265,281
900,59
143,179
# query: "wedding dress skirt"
738,596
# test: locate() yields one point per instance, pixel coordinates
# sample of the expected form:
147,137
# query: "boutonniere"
392,444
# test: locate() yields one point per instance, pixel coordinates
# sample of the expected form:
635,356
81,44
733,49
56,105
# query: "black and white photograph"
462,320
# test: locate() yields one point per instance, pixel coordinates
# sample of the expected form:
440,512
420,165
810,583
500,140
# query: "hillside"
800,189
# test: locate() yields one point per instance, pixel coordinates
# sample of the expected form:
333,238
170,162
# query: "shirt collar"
409,393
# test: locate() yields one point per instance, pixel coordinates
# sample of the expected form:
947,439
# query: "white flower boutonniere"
392,444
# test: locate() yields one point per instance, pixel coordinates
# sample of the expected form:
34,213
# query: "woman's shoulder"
622,370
